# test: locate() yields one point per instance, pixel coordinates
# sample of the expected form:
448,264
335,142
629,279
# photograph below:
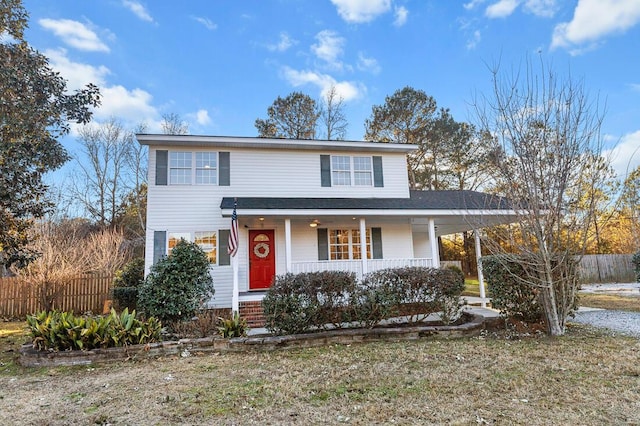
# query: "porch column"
433,240
363,244
476,234
287,244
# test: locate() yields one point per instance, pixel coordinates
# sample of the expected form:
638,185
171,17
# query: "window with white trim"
344,244
206,168
206,240
351,171
187,167
180,168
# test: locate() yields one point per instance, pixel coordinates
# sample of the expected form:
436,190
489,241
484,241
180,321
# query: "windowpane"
362,174
339,244
208,243
179,167
341,168
174,237
206,168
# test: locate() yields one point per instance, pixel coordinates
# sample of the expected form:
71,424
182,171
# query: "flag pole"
233,251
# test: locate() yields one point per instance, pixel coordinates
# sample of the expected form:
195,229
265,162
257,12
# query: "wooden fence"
19,298
607,268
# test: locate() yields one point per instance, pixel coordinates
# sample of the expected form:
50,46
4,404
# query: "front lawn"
586,377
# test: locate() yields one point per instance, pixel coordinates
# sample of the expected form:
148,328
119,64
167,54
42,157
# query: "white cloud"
359,11
138,9
346,89
77,75
208,23
474,40
625,157
501,8
202,117
75,34
542,8
635,86
368,64
595,19
472,4
329,48
401,16
283,44
133,106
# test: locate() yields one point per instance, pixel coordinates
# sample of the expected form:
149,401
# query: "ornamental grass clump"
60,331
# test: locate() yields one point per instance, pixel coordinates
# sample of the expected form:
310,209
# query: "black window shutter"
378,180
323,244
159,245
223,245
376,243
162,159
325,170
225,169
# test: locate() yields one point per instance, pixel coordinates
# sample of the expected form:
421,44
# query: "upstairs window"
206,168
180,168
351,171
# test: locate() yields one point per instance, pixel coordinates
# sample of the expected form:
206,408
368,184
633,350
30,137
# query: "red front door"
262,259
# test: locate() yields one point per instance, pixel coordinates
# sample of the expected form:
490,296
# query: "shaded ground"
584,378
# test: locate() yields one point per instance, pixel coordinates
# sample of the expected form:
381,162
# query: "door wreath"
261,250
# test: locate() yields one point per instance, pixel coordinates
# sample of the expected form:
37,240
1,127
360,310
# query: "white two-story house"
302,205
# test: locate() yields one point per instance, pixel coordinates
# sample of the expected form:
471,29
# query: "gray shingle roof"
419,200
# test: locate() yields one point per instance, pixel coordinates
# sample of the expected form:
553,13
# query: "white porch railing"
355,266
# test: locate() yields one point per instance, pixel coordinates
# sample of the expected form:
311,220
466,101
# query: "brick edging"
30,357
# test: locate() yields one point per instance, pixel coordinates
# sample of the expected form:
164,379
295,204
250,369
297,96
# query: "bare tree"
172,124
546,147
332,115
103,178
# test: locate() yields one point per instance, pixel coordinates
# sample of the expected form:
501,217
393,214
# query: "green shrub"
415,290
53,330
126,283
178,285
507,282
377,297
636,263
302,302
235,326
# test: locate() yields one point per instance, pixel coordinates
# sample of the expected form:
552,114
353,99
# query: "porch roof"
418,200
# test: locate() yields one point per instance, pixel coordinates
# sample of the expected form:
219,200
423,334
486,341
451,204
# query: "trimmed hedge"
310,301
299,303
505,276
59,331
636,264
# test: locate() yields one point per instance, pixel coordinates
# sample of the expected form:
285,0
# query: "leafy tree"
630,204
292,117
334,121
177,285
546,158
35,111
411,116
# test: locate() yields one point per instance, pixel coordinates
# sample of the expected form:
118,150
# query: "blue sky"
220,64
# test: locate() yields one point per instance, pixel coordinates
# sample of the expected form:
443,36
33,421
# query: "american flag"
233,235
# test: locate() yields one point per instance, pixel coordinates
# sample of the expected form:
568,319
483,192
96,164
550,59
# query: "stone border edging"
30,357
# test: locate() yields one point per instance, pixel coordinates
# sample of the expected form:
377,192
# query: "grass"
610,301
586,377
471,287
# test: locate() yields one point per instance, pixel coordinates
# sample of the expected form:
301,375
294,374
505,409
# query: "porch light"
315,223
261,219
